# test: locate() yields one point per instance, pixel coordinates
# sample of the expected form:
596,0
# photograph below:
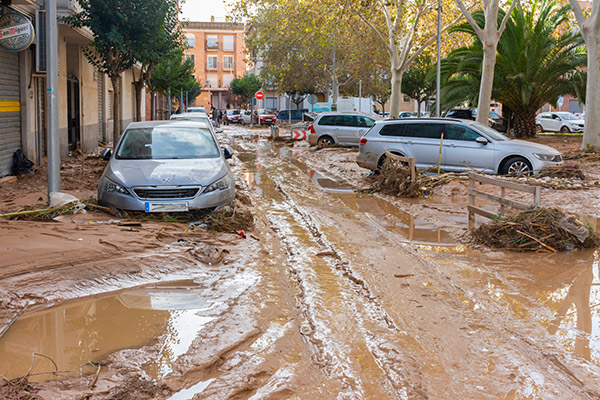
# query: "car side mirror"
106,154
482,140
228,152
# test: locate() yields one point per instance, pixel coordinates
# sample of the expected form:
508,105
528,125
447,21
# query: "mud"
335,295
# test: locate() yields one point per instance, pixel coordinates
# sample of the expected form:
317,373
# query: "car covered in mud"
466,146
167,166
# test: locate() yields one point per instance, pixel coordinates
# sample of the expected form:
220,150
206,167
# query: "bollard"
274,132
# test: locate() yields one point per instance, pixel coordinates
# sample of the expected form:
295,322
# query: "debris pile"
590,154
394,179
539,229
563,172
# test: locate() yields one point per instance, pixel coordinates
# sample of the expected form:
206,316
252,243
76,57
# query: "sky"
201,10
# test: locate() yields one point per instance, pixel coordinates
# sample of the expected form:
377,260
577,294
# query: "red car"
265,116
233,116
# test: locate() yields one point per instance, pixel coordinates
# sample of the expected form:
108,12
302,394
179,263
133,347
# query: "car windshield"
495,135
568,116
167,142
263,112
495,115
233,112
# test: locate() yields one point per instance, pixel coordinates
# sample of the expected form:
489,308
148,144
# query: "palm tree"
536,56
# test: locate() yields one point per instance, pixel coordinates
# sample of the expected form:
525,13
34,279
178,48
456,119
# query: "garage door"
10,109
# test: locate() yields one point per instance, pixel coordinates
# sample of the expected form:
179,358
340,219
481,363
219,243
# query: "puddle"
77,332
187,394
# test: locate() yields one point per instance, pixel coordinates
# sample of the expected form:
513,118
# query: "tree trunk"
487,82
396,96
524,124
115,80
138,85
591,134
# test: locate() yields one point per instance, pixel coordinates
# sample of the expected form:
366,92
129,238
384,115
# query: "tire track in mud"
380,333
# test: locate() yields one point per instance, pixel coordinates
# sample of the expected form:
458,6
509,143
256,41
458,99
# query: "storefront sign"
16,32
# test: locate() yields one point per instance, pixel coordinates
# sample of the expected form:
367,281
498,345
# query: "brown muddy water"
350,298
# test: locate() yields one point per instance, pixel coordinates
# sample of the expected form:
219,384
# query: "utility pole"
359,94
52,98
438,97
335,89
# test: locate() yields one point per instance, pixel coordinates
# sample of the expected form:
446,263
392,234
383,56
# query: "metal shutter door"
10,109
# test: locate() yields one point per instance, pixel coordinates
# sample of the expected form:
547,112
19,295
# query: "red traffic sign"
259,95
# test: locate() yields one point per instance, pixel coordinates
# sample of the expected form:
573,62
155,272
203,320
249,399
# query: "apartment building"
217,49
84,95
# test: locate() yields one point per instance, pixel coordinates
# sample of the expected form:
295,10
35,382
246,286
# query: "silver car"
564,122
466,145
167,166
339,128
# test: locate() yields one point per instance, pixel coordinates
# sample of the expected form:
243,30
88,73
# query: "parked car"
196,109
262,116
233,116
467,145
405,114
245,117
284,115
339,128
198,117
564,122
167,166
495,120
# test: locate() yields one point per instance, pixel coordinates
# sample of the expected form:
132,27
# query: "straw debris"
394,179
563,172
539,229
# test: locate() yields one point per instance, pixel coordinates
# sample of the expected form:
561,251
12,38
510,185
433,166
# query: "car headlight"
548,157
113,187
221,184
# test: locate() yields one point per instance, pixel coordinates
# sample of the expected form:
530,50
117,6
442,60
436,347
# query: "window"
228,62
545,116
392,130
190,40
457,132
212,63
428,131
191,57
405,99
227,78
364,122
228,43
212,42
345,120
212,80
328,120
271,103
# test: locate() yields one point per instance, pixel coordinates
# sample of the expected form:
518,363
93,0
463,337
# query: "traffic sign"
312,99
259,95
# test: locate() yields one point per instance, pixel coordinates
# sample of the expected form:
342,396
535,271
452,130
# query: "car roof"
152,124
189,114
425,119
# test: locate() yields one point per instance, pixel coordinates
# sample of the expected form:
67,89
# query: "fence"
502,200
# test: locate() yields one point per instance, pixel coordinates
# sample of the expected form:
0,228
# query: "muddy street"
335,294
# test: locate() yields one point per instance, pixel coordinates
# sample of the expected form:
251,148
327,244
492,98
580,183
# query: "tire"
516,166
565,129
539,129
325,141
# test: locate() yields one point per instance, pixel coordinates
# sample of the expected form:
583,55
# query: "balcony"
67,7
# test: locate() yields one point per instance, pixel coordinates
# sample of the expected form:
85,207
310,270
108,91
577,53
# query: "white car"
564,122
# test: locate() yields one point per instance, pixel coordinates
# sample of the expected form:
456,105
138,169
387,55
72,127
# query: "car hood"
166,172
524,145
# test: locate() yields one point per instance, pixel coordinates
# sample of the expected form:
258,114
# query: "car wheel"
539,129
565,129
516,166
325,141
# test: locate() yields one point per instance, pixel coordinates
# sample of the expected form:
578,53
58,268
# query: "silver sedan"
167,166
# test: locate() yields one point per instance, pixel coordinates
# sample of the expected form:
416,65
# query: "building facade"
217,49
84,95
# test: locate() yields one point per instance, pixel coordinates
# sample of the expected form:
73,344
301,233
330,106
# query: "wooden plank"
501,200
481,211
502,183
409,160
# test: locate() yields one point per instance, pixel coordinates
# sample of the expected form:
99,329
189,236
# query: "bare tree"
407,34
590,30
489,36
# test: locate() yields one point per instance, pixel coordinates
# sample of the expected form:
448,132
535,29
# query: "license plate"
166,207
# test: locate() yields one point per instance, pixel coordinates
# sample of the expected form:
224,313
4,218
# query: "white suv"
564,122
339,128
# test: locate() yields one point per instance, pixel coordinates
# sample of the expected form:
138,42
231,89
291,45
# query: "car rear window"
392,130
327,120
167,142
429,131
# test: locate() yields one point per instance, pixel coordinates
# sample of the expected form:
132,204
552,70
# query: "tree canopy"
245,87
